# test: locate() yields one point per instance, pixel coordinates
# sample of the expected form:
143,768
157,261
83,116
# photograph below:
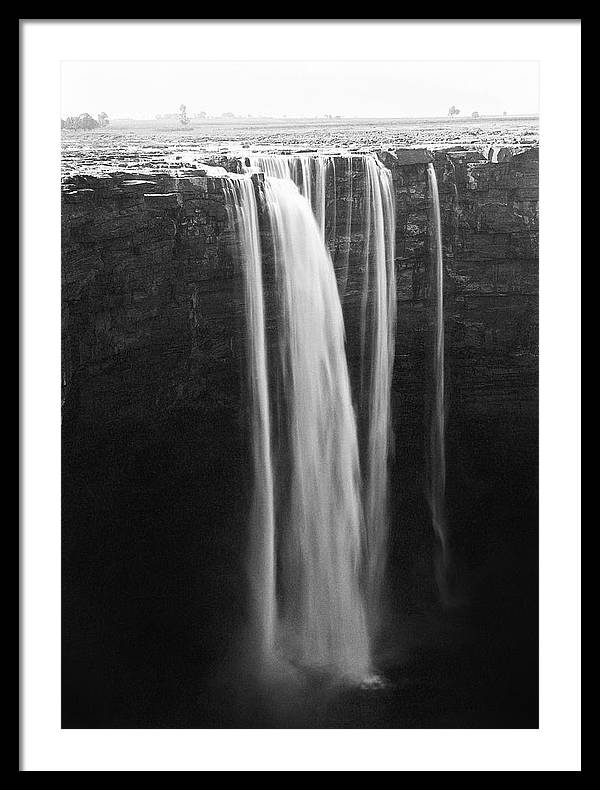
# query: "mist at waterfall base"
306,552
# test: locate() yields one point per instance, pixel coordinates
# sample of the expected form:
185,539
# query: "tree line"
85,121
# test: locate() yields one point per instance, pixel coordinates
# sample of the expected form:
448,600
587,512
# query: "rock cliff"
151,285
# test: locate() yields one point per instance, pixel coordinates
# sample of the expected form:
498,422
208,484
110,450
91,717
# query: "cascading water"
308,172
320,565
378,321
243,216
322,609
378,324
437,475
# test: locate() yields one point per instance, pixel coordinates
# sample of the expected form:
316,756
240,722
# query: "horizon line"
222,117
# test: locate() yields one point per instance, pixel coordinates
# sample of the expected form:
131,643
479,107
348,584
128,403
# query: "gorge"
206,410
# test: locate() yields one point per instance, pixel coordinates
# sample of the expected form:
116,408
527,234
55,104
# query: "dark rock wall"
149,300
490,241
490,229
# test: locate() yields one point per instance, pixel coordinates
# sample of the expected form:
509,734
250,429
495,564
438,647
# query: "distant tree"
87,122
228,115
504,113
201,114
474,115
103,120
183,119
81,122
453,111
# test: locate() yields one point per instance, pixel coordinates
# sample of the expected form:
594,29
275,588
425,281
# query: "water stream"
319,520
437,474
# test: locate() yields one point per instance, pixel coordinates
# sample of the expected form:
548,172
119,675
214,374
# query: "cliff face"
152,315
148,321
490,227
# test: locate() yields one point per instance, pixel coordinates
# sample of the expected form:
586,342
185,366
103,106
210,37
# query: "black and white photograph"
297,465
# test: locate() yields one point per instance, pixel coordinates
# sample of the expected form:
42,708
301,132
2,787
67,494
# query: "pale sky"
385,89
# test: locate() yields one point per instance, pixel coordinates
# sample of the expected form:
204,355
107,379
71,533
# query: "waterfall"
322,560
243,216
378,324
308,172
323,615
437,475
